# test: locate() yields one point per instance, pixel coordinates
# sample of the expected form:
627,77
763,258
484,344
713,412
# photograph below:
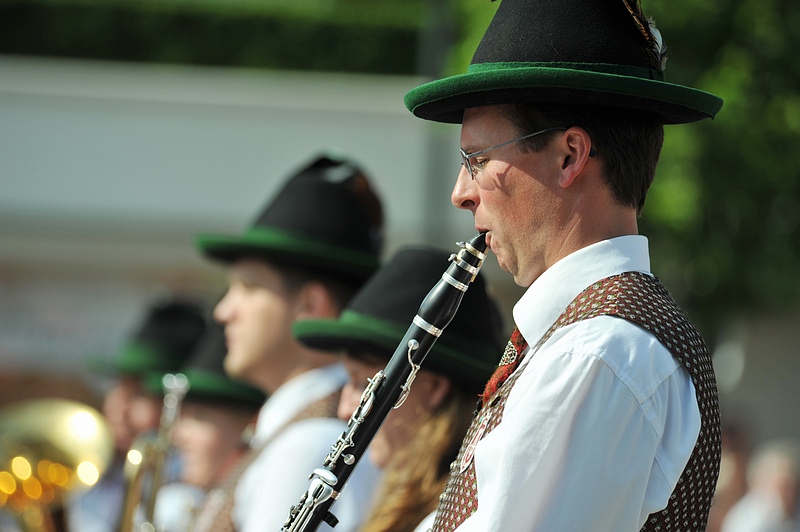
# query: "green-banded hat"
380,313
327,218
162,343
208,382
595,52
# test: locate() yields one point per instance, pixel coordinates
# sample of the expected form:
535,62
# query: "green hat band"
599,83
295,247
139,359
209,385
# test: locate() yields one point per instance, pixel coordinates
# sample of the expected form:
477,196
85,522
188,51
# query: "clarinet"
387,389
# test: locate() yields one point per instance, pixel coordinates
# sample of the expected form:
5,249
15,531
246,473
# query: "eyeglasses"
465,157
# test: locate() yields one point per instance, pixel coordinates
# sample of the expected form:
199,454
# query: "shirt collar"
548,296
296,394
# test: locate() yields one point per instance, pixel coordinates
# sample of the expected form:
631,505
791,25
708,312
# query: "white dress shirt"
600,424
176,505
278,477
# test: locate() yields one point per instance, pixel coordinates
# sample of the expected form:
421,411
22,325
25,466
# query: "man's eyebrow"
471,147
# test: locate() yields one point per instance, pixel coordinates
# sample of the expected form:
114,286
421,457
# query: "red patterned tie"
512,356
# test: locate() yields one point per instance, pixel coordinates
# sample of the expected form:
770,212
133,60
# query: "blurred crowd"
759,484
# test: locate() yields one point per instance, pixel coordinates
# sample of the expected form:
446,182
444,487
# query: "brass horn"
146,459
49,448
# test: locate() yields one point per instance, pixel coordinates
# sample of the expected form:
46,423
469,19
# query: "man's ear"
576,146
314,300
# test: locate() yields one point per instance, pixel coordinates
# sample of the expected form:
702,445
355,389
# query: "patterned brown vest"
216,512
642,300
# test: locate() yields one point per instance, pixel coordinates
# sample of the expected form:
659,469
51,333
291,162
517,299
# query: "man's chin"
519,280
233,368
502,264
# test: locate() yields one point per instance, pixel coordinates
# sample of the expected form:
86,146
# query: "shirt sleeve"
277,479
594,436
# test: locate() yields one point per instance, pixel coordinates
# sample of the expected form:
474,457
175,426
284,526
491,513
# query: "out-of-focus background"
127,128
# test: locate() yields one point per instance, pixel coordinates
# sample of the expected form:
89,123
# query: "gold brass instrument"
143,471
49,448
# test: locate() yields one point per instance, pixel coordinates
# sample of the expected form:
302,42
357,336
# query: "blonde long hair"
417,474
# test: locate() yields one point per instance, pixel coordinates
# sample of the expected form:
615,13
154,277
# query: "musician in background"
161,344
772,500
603,414
304,257
419,440
212,436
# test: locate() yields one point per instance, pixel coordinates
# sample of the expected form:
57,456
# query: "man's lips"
488,237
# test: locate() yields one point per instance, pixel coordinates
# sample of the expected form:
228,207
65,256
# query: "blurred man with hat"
304,257
161,344
603,412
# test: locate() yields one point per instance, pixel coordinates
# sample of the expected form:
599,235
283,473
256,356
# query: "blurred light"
729,360
83,425
134,457
32,488
21,467
58,474
88,473
34,520
43,468
7,483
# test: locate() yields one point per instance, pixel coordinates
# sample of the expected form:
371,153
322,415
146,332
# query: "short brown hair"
628,142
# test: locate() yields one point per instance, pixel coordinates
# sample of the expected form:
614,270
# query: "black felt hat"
326,218
208,382
162,343
597,52
378,317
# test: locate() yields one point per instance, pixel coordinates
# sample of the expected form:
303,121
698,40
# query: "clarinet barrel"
387,389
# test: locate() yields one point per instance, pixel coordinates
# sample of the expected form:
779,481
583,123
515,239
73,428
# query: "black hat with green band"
327,218
208,382
379,315
595,52
162,343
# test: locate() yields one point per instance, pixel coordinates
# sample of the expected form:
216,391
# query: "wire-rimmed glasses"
465,157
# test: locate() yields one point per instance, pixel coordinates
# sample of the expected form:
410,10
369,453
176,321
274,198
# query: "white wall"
108,171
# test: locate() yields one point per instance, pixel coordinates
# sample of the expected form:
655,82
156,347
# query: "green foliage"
724,211
473,19
334,35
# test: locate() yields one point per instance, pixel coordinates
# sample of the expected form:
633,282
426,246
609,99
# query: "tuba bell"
49,448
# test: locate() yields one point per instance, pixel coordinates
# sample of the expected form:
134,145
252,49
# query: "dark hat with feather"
597,52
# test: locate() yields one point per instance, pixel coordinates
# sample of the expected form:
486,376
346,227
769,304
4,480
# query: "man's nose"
463,195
